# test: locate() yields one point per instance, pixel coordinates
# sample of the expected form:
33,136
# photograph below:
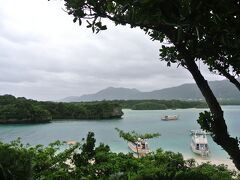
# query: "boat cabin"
199,144
169,117
140,146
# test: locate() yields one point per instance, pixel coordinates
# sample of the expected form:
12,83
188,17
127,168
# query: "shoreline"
199,160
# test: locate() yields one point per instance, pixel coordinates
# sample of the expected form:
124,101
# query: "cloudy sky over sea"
45,56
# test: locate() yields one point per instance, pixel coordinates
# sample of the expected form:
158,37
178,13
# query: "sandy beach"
201,160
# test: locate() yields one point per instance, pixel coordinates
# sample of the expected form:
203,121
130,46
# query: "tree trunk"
137,151
219,127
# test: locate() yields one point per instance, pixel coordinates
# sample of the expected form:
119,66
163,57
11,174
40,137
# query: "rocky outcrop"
117,112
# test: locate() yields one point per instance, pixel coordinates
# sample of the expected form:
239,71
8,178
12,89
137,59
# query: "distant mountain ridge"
222,90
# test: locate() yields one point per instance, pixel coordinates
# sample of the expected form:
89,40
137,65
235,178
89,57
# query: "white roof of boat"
200,139
199,131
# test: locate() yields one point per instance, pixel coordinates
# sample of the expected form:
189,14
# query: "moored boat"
199,143
169,117
71,142
140,146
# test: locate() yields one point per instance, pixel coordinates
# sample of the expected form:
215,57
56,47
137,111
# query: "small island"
152,104
21,110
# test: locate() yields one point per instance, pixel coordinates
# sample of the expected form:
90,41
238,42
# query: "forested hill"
22,110
222,89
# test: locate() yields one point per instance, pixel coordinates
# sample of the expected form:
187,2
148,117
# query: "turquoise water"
174,134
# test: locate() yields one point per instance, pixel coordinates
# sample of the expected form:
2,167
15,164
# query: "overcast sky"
45,56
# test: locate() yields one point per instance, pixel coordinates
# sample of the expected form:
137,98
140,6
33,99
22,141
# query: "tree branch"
231,78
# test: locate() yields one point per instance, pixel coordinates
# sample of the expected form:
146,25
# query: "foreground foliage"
88,161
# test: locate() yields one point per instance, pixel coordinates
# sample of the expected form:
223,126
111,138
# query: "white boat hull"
169,118
199,142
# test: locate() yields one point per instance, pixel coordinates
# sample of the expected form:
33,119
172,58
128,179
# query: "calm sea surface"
174,134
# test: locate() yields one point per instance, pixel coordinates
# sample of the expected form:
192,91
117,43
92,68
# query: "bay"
175,135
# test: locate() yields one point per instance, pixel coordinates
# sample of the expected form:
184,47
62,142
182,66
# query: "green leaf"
98,24
75,19
103,27
80,21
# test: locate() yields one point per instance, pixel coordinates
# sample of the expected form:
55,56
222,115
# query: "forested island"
159,104
22,110
167,104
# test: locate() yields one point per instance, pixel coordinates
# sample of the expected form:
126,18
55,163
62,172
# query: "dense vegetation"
93,110
230,102
21,110
160,104
163,104
86,161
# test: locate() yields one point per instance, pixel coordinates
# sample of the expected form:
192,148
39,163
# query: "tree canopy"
22,110
207,31
85,160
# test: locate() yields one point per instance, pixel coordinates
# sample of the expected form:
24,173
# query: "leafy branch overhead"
133,136
207,29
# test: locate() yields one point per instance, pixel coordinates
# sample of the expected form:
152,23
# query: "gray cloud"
44,55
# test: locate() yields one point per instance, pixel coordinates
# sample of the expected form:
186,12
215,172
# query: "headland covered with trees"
22,110
159,104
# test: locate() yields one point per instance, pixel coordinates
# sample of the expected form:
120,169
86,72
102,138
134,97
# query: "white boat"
199,131
169,117
140,146
199,143
71,142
